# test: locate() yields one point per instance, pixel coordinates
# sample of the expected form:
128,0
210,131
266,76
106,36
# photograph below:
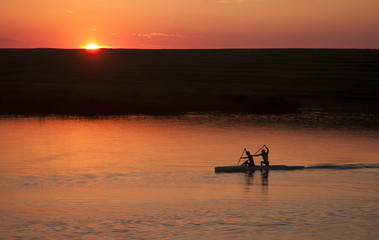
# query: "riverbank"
161,82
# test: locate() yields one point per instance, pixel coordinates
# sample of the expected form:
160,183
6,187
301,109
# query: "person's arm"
257,155
267,149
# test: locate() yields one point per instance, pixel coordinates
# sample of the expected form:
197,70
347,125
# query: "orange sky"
190,23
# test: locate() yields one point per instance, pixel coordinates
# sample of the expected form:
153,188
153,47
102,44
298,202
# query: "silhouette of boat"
249,168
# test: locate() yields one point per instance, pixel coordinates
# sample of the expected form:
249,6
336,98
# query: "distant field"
70,82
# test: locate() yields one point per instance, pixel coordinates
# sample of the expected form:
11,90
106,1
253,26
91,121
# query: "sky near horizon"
190,23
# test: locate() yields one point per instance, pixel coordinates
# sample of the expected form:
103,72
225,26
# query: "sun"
92,49
92,46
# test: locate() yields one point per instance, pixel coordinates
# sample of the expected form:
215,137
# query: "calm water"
151,178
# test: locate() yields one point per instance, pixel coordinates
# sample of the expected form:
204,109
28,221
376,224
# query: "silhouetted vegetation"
70,82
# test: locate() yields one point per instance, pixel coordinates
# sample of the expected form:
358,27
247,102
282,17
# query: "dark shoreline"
169,82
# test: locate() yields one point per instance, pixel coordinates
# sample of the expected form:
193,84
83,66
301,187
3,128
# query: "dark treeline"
71,82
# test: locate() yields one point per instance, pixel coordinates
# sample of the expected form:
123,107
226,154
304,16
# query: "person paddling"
264,155
249,161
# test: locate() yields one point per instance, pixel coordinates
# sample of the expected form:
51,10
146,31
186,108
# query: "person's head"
263,151
247,152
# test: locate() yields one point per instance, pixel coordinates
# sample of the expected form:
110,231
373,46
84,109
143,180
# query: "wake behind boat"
242,168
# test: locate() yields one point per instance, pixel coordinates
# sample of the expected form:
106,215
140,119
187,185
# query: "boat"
241,168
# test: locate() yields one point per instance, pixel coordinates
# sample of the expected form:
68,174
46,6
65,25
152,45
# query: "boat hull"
249,169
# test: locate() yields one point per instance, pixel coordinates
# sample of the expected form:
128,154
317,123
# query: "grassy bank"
70,82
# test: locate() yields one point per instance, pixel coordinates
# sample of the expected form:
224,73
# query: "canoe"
248,169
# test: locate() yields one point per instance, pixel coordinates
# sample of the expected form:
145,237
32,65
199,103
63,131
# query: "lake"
153,178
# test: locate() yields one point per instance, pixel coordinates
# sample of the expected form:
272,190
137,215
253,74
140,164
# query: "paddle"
244,150
259,149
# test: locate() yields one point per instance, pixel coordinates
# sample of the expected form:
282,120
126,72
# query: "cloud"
69,11
7,40
10,43
156,34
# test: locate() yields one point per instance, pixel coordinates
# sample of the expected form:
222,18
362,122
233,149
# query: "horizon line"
231,48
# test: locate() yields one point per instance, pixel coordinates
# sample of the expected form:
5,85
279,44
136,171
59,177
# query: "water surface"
153,178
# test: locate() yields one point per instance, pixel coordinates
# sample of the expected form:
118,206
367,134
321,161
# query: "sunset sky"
190,23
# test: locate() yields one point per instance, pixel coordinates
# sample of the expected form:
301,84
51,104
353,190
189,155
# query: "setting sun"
92,49
92,46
